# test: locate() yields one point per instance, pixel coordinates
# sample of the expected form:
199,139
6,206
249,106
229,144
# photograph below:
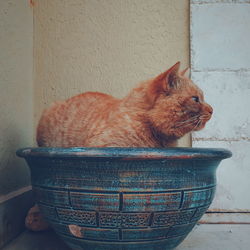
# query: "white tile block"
233,176
215,237
220,35
229,95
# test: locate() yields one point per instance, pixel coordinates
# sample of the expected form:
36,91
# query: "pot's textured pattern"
121,202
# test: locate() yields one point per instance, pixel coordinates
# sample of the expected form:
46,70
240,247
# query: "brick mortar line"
221,70
218,2
222,139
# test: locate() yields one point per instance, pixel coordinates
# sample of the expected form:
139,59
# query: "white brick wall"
220,62
221,36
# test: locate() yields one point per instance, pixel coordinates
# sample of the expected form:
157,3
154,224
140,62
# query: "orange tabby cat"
154,114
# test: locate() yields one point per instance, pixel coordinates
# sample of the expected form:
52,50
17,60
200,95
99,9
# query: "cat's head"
178,105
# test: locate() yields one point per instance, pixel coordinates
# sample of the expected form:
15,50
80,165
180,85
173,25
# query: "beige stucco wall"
104,45
16,90
91,45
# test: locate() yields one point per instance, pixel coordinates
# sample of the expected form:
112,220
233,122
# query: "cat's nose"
209,109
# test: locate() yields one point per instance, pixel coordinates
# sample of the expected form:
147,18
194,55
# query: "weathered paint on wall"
16,116
104,45
220,65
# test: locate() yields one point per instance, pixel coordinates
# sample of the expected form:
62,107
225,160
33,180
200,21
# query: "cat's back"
69,123
90,97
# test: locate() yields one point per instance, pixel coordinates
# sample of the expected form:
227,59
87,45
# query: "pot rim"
179,153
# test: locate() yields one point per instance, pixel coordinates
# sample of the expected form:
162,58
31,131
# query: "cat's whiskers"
197,125
187,125
188,122
204,117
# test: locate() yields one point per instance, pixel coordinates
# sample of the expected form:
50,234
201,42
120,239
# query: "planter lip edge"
126,153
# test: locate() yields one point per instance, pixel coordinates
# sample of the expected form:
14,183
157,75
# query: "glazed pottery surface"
123,198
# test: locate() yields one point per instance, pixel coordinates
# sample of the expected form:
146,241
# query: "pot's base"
205,237
165,244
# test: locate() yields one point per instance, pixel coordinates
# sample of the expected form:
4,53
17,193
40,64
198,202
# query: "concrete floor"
203,237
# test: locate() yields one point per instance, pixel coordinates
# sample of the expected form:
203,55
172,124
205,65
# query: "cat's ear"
170,78
164,83
186,71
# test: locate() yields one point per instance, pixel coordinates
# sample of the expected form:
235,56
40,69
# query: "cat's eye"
195,98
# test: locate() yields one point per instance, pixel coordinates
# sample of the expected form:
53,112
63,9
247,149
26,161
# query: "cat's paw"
34,220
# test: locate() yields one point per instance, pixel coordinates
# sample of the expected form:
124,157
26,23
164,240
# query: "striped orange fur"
154,114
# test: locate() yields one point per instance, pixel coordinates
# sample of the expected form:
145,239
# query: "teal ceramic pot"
123,198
